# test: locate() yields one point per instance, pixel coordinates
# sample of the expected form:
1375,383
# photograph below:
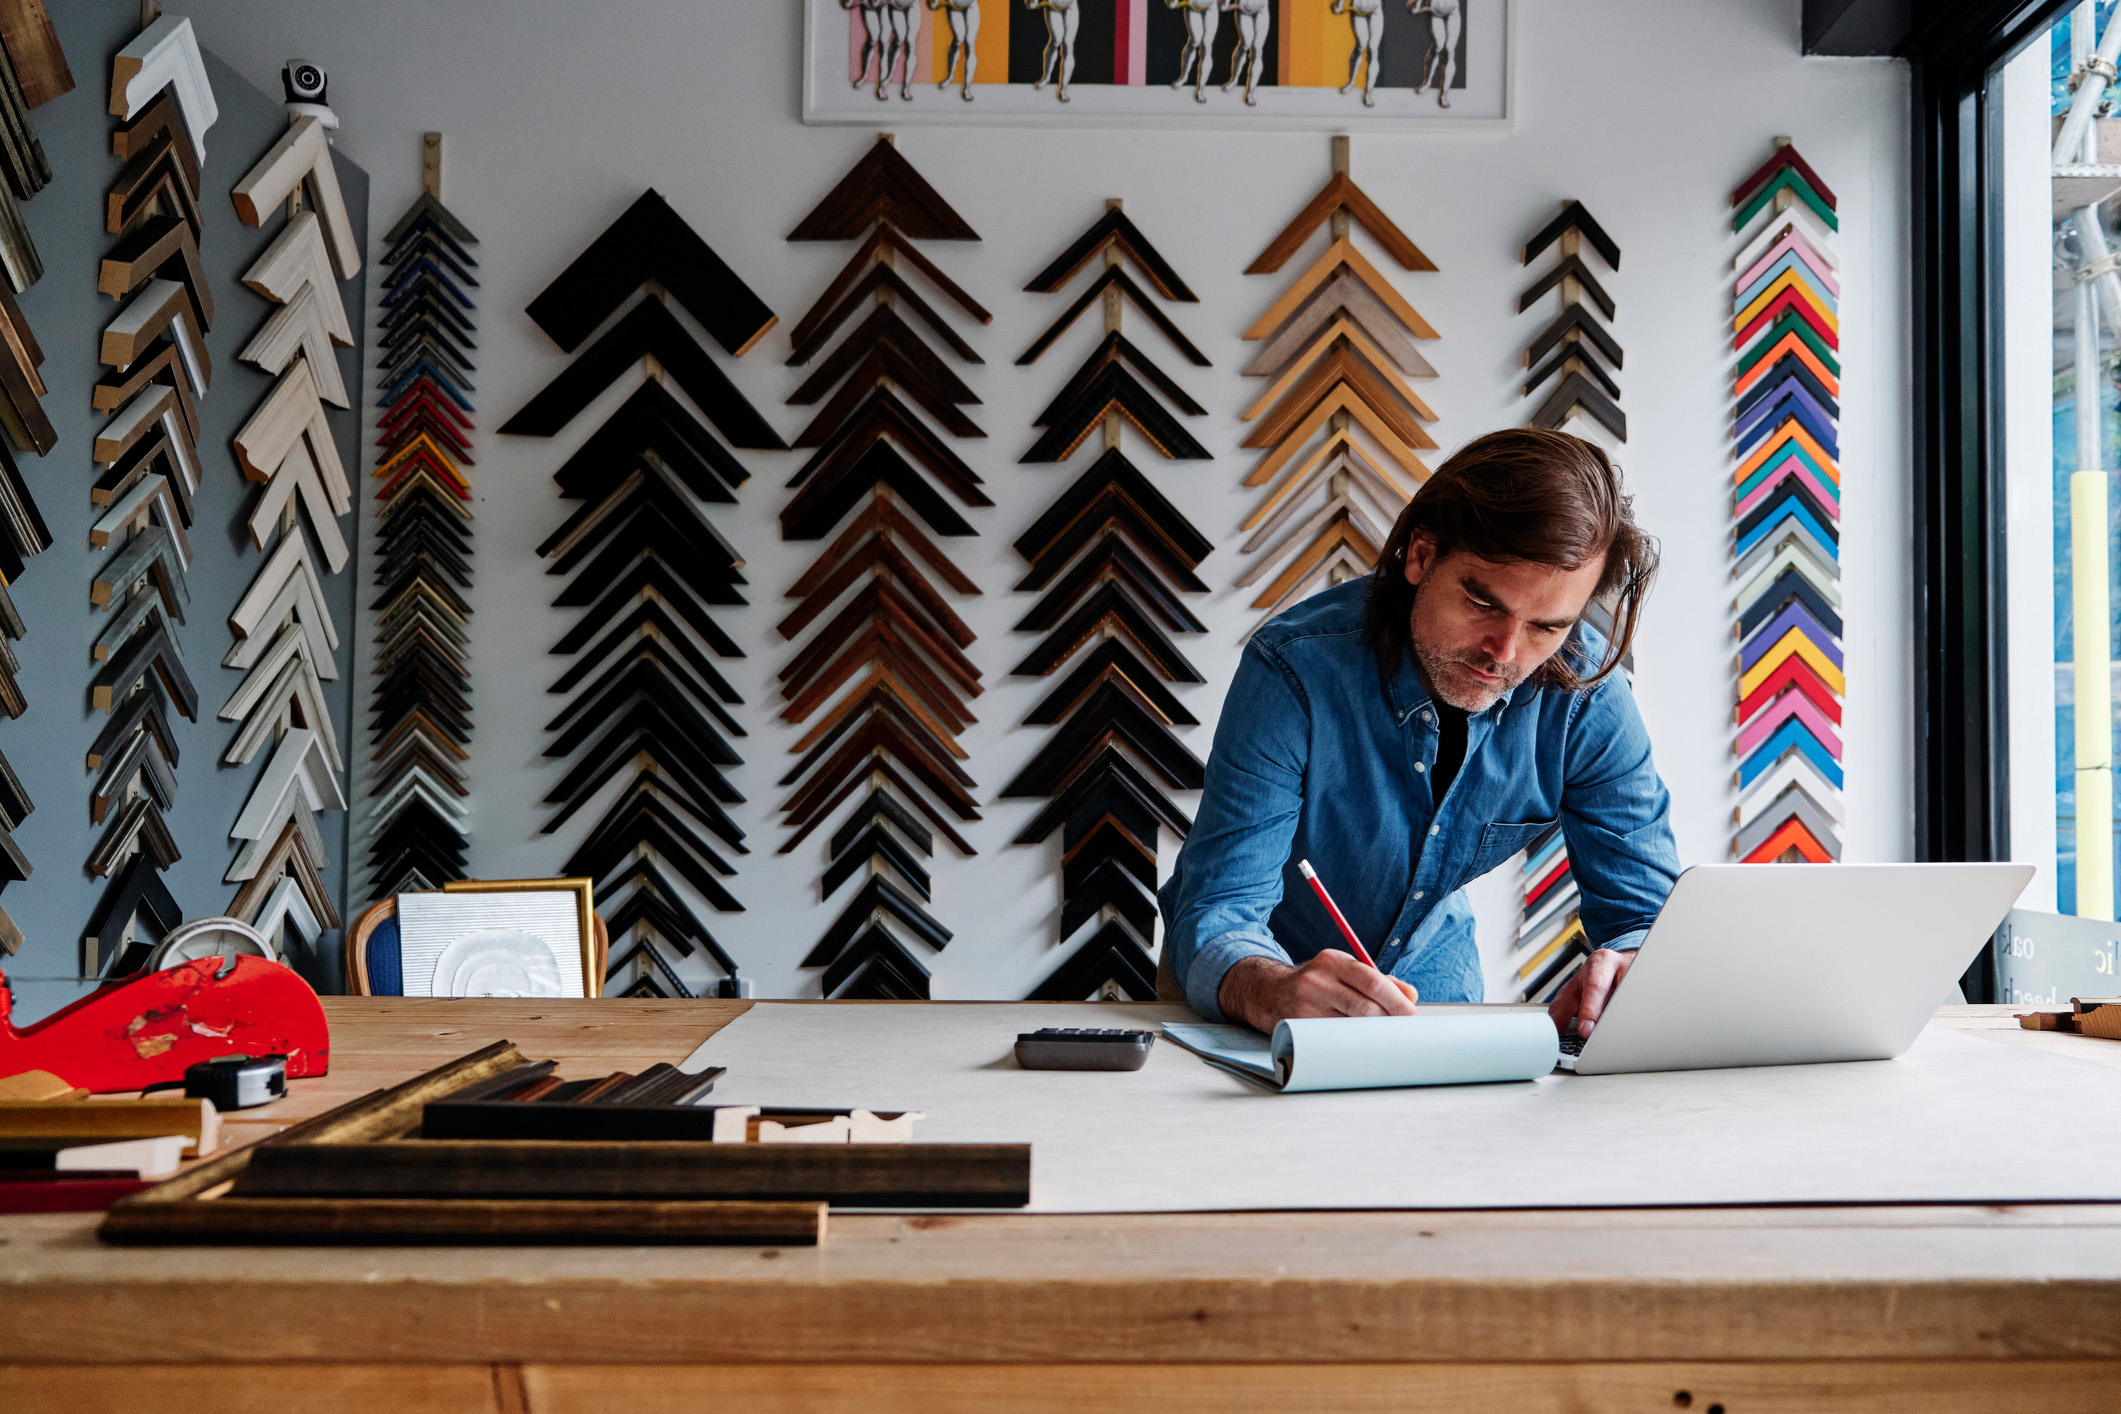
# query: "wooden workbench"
1723,1310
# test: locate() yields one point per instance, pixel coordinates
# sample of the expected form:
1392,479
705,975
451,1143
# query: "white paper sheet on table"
1379,1052
1956,1120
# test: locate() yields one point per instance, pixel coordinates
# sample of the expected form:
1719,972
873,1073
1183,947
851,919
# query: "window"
2060,326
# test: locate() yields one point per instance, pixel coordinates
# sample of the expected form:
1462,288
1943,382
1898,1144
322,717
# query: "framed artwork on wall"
1319,64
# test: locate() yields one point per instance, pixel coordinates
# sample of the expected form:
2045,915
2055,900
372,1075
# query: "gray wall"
48,745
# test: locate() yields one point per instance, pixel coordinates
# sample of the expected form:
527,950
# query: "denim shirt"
1315,757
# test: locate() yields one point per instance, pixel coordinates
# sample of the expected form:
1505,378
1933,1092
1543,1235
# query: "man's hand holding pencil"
1260,991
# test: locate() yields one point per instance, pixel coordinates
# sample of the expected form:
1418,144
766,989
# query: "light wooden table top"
1752,1284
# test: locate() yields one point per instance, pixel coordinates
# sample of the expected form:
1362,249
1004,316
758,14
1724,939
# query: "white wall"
556,115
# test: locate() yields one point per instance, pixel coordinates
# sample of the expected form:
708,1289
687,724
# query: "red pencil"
1303,867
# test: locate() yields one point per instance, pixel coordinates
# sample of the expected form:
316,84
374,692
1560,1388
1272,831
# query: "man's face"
1481,626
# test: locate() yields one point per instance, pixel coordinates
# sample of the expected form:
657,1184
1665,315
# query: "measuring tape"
237,1082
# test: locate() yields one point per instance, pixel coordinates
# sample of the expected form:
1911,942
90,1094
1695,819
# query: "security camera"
304,81
305,85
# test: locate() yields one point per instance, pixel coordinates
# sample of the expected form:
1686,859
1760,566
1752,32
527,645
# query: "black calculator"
1083,1048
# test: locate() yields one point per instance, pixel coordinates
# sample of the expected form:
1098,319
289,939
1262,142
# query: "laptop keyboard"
1571,1044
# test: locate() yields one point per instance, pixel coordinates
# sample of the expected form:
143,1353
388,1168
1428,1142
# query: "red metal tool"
144,1030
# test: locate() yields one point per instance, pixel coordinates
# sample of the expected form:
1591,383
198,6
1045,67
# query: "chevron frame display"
1570,366
1110,560
1551,941
884,674
27,429
1571,363
647,710
142,500
286,639
419,784
1341,428
1786,503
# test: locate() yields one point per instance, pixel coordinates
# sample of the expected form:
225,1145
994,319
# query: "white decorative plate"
497,962
210,937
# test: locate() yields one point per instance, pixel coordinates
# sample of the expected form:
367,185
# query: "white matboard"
1957,1119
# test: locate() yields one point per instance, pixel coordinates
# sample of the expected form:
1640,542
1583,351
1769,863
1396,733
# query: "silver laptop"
1786,964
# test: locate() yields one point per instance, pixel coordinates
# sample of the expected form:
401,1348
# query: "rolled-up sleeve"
1616,817
1228,878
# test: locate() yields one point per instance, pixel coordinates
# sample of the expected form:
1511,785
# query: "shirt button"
1419,767
1420,893
1434,828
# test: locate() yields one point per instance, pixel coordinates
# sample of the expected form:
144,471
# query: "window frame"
1961,707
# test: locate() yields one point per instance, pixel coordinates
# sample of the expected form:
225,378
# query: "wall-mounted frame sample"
1109,561
32,70
164,490
1274,64
155,345
646,706
882,679
1786,504
416,823
1341,427
1574,375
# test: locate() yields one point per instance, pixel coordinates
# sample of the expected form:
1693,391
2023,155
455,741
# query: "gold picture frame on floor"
585,906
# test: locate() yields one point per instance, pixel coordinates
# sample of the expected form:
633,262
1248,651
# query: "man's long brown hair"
1526,494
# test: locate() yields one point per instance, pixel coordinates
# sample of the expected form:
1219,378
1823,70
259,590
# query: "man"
1411,731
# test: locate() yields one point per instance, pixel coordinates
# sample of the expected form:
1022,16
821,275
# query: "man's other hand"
1583,999
1260,991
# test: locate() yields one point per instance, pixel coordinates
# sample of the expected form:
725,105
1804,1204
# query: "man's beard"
1453,688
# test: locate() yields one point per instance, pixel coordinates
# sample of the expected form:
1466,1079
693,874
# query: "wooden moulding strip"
399,1222
870,1175
180,1210
144,1118
380,1114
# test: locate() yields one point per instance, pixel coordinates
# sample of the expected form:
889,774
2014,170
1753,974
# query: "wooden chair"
363,932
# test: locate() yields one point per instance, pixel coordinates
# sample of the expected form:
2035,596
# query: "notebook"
1379,1052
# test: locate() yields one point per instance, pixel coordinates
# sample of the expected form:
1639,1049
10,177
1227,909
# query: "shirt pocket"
1500,841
